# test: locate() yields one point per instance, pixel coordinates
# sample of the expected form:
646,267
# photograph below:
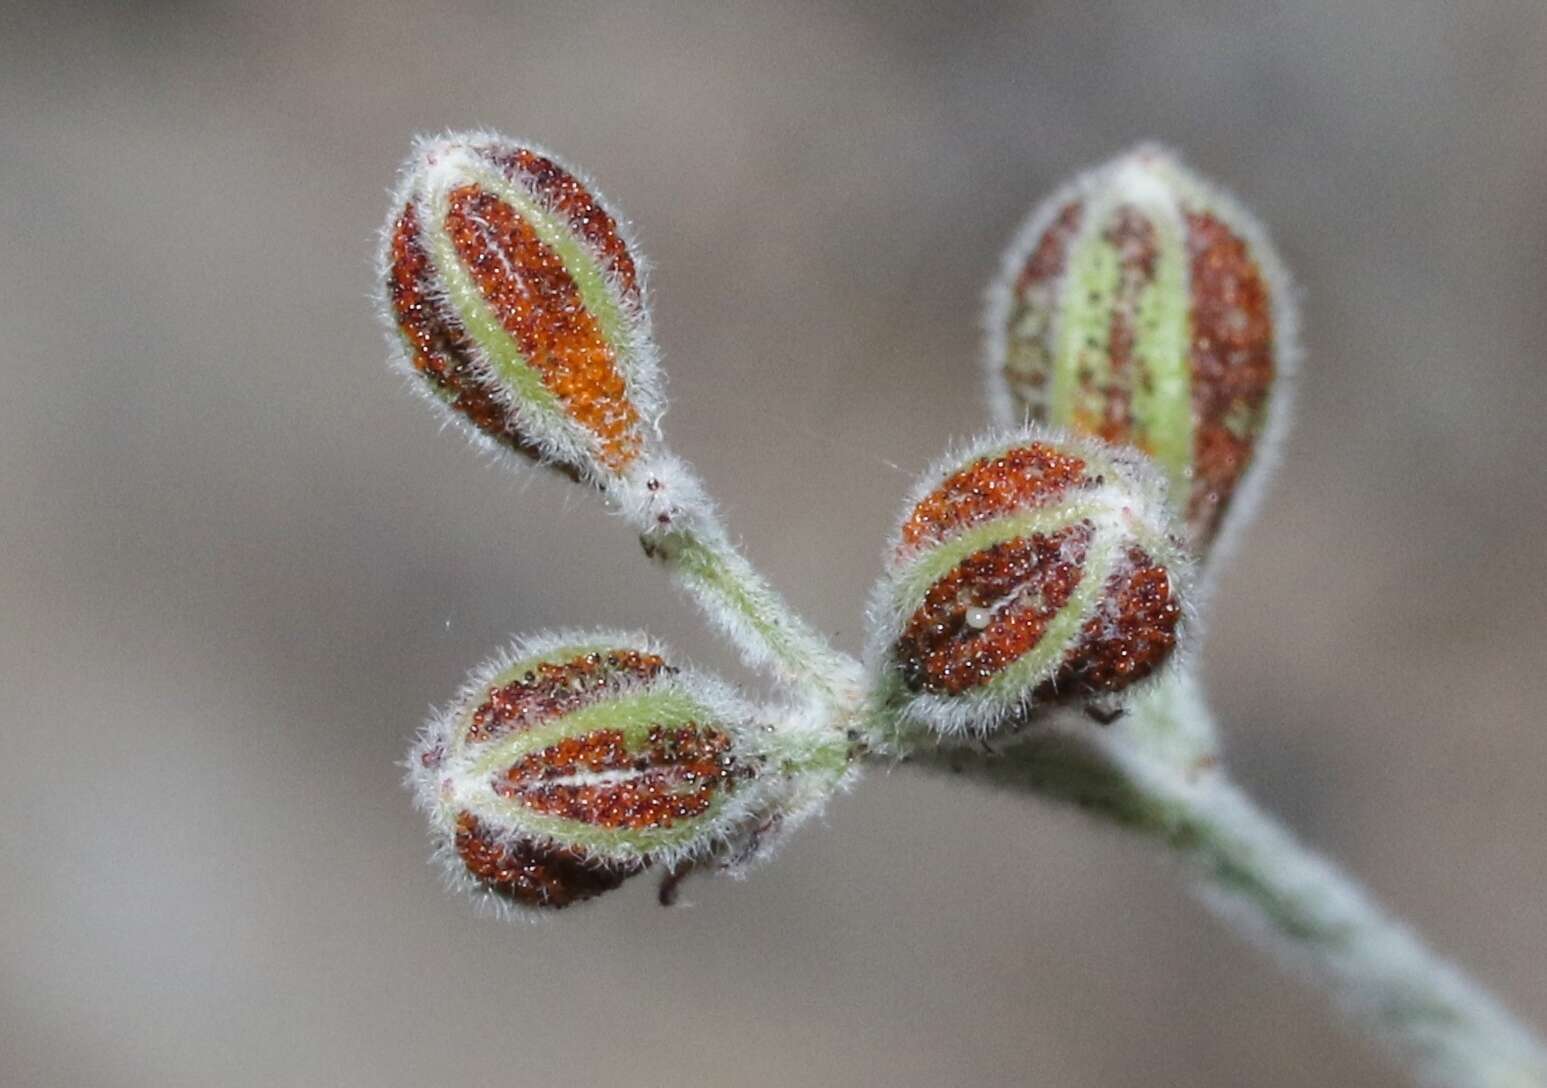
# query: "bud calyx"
573,763
1140,306
514,296
1029,571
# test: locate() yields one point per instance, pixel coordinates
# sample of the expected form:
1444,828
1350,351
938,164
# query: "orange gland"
574,762
1031,570
1140,306
514,299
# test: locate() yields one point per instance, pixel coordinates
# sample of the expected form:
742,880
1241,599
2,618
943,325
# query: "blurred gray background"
238,562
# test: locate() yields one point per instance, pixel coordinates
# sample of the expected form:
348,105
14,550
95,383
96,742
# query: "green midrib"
1084,327
1158,380
1040,662
634,716
1162,386
483,324
914,581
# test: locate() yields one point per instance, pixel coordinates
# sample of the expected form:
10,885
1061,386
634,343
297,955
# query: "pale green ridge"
590,276
1162,384
1040,662
602,840
633,715
1083,338
559,655
1031,669
483,325
914,581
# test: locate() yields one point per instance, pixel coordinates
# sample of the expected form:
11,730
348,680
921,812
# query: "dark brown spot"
1131,634
1232,360
675,776
558,687
539,305
534,876
565,194
1022,583
1029,475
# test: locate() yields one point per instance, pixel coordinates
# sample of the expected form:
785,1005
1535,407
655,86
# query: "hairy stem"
1155,773
739,601
1254,875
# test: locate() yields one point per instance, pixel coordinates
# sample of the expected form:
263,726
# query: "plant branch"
738,600
1255,876
1155,772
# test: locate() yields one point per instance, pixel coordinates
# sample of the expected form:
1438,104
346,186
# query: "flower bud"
515,299
576,761
1141,306
1030,570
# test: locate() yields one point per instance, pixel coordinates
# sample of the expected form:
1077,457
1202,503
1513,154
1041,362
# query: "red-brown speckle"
534,876
1134,238
674,776
564,193
1029,347
1051,253
1029,475
438,348
1131,634
539,305
1022,582
1232,360
552,688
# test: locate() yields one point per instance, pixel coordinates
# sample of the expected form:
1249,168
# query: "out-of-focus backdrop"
238,561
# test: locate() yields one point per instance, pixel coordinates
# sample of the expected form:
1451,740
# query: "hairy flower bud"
573,762
516,300
1029,570
1141,306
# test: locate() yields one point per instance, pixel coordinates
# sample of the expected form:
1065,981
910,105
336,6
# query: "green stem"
739,601
1156,774
1270,887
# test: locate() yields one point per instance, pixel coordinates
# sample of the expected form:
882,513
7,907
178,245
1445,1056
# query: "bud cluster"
1137,337
1029,570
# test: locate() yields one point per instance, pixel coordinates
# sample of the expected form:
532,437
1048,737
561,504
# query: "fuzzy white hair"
443,773
1129,504
435,165
1153,176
